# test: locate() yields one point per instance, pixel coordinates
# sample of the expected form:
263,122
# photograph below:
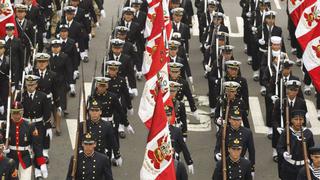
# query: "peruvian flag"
6,16
158,161
296,8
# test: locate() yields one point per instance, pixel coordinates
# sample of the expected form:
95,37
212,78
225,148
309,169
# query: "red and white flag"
296,8
311,60
6,16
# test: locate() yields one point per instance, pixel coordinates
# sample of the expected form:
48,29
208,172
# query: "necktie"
291,104
0,62
63,43
285,79
9,41
41,74
127,25
29,8
117,58
30,96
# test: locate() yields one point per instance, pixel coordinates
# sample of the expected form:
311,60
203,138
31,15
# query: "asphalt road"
201,141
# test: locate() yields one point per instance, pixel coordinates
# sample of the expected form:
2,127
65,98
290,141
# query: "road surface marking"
195,25
256,114
278,6
312,113
239,25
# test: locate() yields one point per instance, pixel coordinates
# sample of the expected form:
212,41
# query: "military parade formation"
44,53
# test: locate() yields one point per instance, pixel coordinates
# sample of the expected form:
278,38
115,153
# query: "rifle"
287,127
84,103
9,103
75,151
223,144
305,156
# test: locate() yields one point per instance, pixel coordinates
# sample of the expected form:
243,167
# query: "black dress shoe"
39,178
85,59
122,135
269,136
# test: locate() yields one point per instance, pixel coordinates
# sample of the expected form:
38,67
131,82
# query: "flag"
296,8
6,16
158,161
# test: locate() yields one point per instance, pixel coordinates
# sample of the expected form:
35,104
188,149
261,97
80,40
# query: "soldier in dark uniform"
91,165
126,68
181,49
112,110
102,133
48,84
127,20
187,6
183,29
118,86
25,136
68,46
17,53
25,30
177,141
143,6
37,110
175,69
279,115
181,171
37,18
235,130
314,167
4,80
60,63
173,54
291,161
179,109
8,168
46,9
231,89
237,167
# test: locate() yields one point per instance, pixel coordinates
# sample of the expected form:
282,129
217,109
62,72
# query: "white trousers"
24,174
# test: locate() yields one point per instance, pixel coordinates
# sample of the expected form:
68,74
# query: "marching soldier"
48,84
90,163
177,141
4,80
314,167
291,158
62,66
187,6
14,48
173,54
235,130
25,30
179,109
293,102
181,49
126,68
23,137
127,20
118,86
175,70
231,90
8,169
102,132
37,110
182,28
237,167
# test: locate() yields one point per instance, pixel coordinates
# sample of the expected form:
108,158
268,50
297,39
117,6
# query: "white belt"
295,163
19,148
107,118
33,120
263,50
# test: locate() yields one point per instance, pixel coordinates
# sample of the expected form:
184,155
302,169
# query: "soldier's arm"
183,118
251,150
118,108
217,174
187,67
69,173
113,142
184,148
130,75
248,175
107,172
125,93
276,114
217,148
47,105
281,146
93,13
310,139
55,91
69,70
245,93
188,94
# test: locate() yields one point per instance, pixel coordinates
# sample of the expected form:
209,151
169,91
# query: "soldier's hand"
1,110
248,14
134,91
118,161
218,156
59,13
103,13
44,170
280,130
274,98
220,121
6,150
191,79
49,133
254,29
97,24
129,129
287,156
206,46
130,111
191,169
90,36
75,74
208,68
121,128
28,69
262,42
252,175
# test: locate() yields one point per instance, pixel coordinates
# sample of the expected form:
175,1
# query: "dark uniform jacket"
181,116
96,166
179,145
4,81
240,170
185,91
118,86
8,169
236,103
83,18
275,31
303,174
185,70
134,31
69,47
24,134
185,34
243,91
102,133
90,13
36,17
62,66
26,32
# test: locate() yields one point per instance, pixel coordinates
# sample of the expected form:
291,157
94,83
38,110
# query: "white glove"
49,133
2,110
59,111
130,111
208,68
280,130
121,128
274,98
44,34
44,170
103,13
28,69
252,175
196,114
220,121
254,29
206,46
97,24
262,42
287,156
72,88
184,139
118,161
218,156
129,129
191,169
59,13
47,25
139,74
248,14
90,36
75,74
6,151
134,91
191,79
